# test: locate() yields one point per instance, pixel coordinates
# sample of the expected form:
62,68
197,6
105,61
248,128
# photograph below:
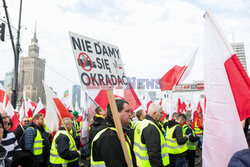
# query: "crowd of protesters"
151,140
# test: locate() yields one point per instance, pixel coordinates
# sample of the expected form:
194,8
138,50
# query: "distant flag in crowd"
183,107
199,108
54,110
6,105
227,89
65,98
177,74
24,108
31,108
101,98
40,108
179,105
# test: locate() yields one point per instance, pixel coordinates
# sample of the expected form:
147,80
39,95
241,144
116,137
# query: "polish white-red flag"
101,97
54,110
40,108
6,105
31,108
227,89
177,74
24,108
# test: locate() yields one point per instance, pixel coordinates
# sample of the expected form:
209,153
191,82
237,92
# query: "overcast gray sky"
153,35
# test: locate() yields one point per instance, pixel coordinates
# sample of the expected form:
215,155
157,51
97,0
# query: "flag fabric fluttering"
31,108
177,74
65,98
6,105
40,108
226,83
24,108
54,110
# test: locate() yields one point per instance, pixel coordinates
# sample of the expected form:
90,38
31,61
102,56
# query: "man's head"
200,114
155,111
6,119
101,111
25,121
174,116
123,110
38,119
189,121
181,119
75,115
140,114
68,123
71,112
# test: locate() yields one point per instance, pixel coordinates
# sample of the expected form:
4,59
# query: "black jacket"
98,123
62,145
178,135
191,137
151,137
19,132
108,148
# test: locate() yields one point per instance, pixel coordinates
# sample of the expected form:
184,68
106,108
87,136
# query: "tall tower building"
31,73
76,95
239,49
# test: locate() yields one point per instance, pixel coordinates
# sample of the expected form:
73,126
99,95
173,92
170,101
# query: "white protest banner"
99,64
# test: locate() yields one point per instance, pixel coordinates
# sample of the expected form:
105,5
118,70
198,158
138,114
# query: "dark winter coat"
240,159
108,147
62,145
151,137
178,134
19,132
29,137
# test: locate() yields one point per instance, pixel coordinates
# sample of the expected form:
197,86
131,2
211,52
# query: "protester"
191,142
10,124
97,120
174,115
198,128
36,140
241,158
176,142
150,145
77,126
106,147
140,114
25,158
21,128
63,149
3,151
9,141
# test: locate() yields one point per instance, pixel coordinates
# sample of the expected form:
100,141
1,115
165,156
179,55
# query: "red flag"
199,109
179,105
183,107
40,108
131,97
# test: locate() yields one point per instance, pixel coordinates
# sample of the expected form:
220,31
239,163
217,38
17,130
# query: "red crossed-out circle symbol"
85,61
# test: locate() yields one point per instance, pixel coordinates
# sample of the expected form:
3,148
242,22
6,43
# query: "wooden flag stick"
118,125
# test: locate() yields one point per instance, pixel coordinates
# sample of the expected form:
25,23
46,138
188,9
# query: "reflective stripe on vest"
38,142
102,163
54,156
77,127
190,145
173,146
140,149
197,130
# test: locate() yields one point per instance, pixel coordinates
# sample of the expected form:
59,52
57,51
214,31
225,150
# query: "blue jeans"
201,141
177,161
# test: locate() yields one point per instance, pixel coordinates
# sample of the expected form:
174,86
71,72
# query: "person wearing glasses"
21,128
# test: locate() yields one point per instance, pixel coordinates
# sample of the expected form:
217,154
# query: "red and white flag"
101,98
24,108
31,108
177,74
40,108
54,110
227,89
6,105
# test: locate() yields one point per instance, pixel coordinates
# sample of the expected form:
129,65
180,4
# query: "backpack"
21,140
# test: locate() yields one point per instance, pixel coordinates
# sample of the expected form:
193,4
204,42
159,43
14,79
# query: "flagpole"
221,34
